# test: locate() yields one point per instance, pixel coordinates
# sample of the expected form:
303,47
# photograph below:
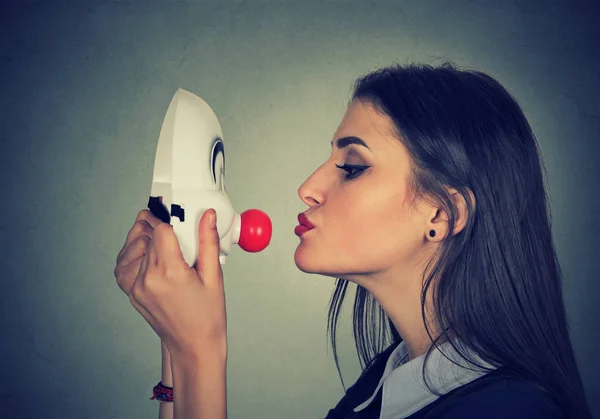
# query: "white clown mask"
189,178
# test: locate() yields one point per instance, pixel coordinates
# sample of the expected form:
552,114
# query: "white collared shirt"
405,392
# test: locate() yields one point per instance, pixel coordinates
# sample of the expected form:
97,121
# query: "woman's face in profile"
363,225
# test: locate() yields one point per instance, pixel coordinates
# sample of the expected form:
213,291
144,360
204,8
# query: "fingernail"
213,219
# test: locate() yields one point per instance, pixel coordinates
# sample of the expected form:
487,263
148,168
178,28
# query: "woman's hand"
130,257
185,306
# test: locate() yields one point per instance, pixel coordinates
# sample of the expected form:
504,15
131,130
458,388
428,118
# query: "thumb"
208,246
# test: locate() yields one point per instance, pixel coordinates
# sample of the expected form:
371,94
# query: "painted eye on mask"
352,170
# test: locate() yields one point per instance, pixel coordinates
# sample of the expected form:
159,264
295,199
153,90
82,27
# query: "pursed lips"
304,226
303,220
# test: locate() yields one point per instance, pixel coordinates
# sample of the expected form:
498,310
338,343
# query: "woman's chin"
302,261
309,263
307,260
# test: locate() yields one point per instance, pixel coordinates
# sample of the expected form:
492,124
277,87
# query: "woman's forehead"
364,121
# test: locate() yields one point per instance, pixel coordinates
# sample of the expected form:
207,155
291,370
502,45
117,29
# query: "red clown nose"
255,231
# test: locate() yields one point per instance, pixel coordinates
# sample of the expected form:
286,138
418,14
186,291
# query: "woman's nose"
312,191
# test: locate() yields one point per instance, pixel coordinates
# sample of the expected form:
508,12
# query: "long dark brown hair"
498,282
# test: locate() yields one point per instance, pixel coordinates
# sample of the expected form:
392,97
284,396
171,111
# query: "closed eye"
352,170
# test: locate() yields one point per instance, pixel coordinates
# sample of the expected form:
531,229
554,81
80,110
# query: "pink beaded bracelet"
162,392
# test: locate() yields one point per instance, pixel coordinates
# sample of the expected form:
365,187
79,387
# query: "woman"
433,203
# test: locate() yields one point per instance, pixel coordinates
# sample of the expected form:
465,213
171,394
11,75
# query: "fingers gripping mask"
189,178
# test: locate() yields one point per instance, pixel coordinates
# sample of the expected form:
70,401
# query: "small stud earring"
432,233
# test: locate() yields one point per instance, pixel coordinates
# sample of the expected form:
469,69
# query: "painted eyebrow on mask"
346,141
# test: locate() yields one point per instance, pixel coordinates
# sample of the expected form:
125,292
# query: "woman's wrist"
200,381
167,373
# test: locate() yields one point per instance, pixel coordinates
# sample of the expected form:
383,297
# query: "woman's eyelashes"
352,170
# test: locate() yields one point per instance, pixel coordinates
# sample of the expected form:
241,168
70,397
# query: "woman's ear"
463,212
439,220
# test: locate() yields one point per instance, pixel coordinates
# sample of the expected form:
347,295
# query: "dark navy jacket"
494,395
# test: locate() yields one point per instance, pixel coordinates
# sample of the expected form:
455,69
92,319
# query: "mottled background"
85,87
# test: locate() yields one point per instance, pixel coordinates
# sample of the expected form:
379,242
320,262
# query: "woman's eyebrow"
346,141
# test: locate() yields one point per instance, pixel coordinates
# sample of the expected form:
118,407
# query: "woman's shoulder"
494,398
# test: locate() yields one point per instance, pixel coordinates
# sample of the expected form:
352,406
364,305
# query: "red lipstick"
304,226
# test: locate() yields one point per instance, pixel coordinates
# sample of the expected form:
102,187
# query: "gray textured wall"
84,92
